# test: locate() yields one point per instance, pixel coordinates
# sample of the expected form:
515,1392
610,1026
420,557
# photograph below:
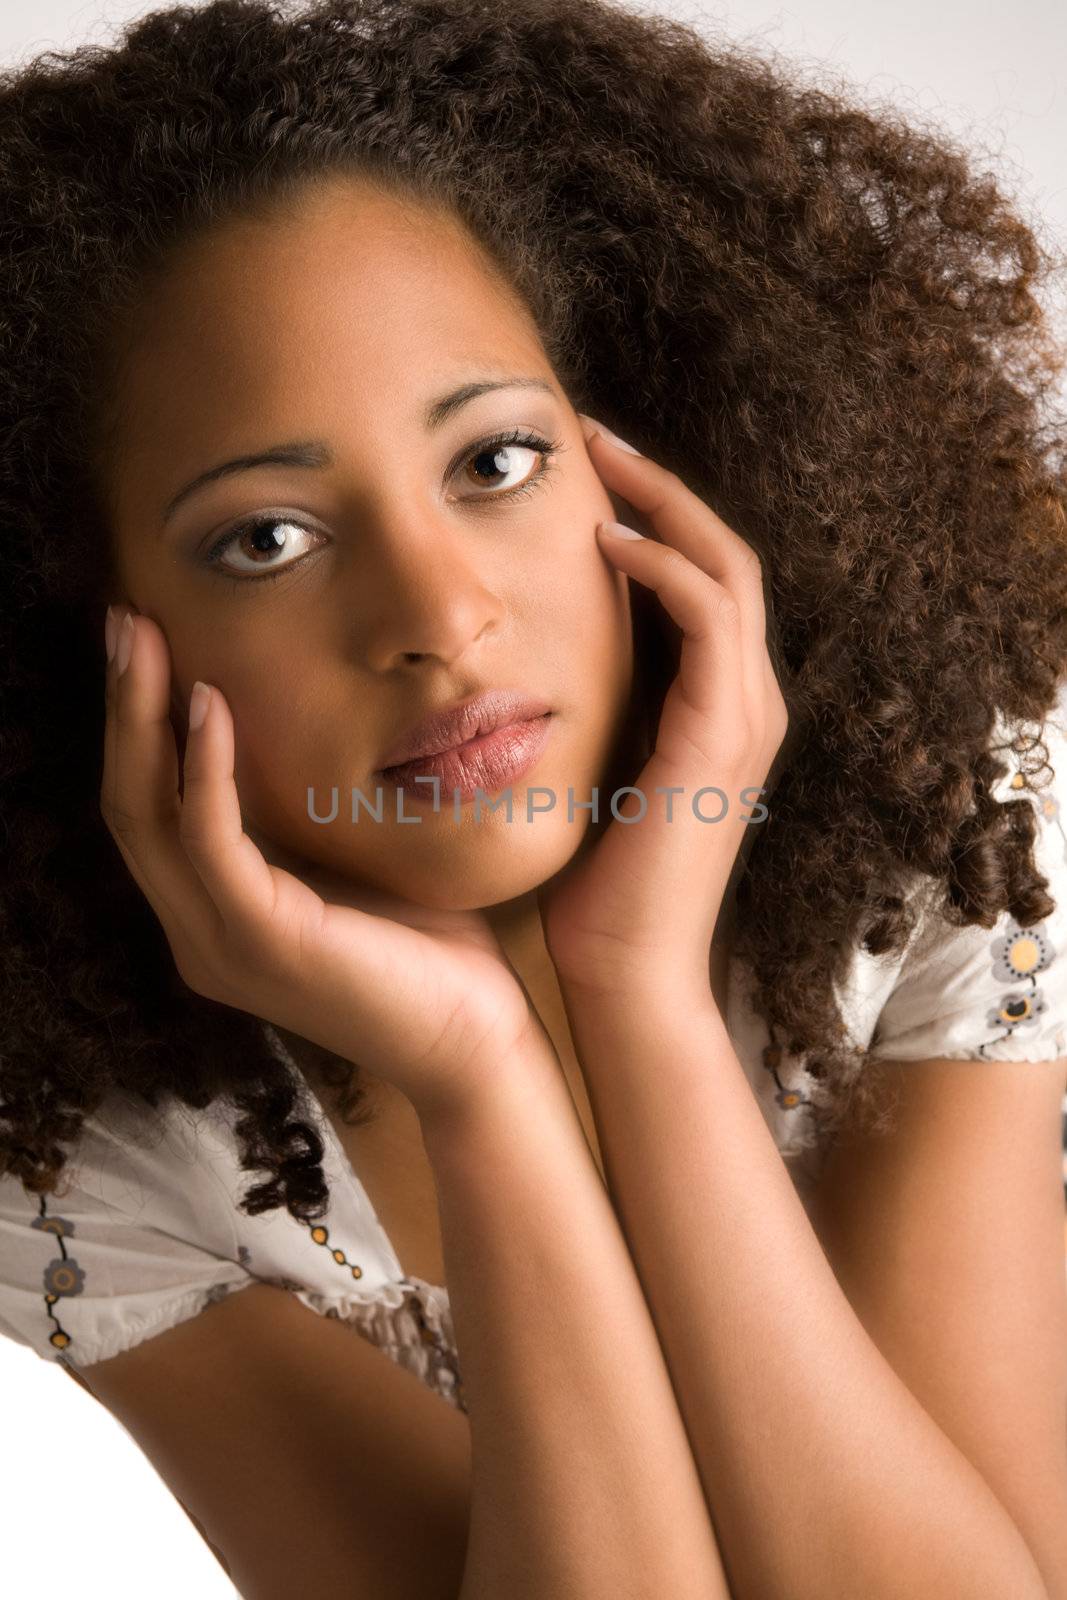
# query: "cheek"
584,600
587,647
295,737
595,602
281,707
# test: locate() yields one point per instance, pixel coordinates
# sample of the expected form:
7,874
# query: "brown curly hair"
821,316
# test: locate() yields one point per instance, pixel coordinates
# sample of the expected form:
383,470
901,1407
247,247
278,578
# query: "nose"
426,599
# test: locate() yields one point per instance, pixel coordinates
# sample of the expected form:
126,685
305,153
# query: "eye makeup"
548,449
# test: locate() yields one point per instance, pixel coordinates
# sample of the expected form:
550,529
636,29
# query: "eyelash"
547,448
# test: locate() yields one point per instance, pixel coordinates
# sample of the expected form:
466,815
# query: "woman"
548,1103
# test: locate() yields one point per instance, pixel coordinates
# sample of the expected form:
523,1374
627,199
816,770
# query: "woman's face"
405,577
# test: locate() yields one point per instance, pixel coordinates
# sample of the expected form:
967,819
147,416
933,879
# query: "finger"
687,523
711,661
139,785
679,516
242,884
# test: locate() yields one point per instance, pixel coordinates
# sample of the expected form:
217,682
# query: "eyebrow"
315,453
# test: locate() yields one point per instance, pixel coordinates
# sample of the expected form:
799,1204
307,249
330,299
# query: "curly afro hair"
821,316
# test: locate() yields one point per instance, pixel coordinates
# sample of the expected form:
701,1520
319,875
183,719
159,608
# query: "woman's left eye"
495,457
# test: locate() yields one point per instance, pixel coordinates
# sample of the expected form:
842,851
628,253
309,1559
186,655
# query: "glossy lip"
444,731
489,763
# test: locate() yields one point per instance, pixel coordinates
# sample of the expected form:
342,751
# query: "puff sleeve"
87,1272
997,994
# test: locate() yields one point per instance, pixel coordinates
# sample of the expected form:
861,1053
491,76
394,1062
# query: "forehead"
346,263
347,301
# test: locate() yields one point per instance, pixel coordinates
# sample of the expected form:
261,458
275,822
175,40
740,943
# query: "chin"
512,861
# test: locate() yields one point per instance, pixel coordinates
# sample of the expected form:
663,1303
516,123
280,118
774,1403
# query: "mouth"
489,761
448,727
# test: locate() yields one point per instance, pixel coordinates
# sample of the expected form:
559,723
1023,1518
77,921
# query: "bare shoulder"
304,1454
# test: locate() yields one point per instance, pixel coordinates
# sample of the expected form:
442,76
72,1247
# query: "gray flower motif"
61,1226
218,1291
1019,1009
1021,952
244,1255
64,1277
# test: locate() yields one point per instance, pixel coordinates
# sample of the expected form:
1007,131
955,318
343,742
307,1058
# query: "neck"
517,924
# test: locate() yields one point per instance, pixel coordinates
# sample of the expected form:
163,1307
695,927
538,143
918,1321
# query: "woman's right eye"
264,537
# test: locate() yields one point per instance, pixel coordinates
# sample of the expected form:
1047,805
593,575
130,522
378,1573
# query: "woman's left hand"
638,908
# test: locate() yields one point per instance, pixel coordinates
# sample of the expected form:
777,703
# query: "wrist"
531,1074
646,990
612,1027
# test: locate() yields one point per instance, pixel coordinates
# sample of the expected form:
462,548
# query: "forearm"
824,1474
583,1483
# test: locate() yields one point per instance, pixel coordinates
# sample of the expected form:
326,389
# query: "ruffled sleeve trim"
411,1320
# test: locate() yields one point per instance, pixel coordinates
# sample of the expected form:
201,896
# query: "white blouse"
145,1228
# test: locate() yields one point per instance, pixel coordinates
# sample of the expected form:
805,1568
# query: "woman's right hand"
423,998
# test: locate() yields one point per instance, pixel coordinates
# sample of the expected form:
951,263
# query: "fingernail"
198,704
109,633
619,530
125,645
613,438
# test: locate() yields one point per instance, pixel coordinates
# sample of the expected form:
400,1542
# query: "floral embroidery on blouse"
787,1096
321,1235
62,1276
1021,953
1048,806
1018,956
